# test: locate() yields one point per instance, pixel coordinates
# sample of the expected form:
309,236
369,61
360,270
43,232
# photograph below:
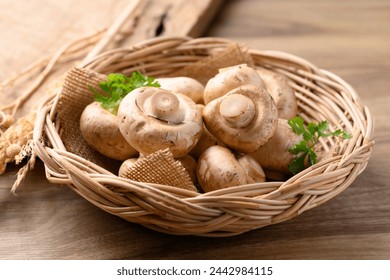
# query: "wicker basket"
231,211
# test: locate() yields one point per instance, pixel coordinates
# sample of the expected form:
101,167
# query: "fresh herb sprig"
117,86
304,150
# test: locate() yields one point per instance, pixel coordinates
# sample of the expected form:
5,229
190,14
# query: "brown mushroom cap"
100,130
253,170
219,168
243,119
153,119
230,78
283,95
275,155
184,85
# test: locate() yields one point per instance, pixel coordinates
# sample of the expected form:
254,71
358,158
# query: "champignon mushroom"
275,155
219,168
253,170
100,130
281,92
153,119
230,78
243,119
184,85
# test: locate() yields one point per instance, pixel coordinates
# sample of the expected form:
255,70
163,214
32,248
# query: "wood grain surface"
350,38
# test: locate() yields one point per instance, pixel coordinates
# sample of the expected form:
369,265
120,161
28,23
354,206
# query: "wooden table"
350,38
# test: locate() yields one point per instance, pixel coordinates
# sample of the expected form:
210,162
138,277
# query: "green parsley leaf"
312,157
301,147
322,126
343,134
297,125
312,128
297,164
117,86
304,150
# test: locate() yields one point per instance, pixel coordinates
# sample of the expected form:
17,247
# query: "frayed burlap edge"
75,96
206,68
160,168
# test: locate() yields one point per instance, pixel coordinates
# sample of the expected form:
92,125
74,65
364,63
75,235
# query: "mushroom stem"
165,106
238,110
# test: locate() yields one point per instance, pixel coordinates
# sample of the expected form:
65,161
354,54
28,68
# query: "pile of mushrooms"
232,131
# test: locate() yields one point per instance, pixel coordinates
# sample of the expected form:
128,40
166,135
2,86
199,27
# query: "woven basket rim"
229,211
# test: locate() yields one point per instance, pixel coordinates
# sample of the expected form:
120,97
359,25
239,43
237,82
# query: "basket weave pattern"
321,96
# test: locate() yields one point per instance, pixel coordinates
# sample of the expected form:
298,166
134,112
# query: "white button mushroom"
243,119
275,155
219,168
281,92
152,119
100,130
184,85
230,78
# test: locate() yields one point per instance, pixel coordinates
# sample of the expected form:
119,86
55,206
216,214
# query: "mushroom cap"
283,95
243,119
184,85
230,78
152,119
100,130
275,155
253,170
219,168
